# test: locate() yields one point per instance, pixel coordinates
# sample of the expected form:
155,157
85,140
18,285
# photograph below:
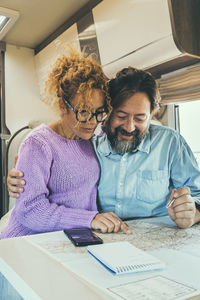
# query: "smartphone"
82,237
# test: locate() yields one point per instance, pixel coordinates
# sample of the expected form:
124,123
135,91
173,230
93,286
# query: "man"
143,166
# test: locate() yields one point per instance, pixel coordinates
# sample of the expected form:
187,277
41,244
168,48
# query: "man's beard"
124,146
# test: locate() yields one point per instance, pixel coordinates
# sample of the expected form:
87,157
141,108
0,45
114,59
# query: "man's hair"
129,81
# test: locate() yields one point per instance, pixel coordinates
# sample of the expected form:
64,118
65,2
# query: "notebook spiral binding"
133,268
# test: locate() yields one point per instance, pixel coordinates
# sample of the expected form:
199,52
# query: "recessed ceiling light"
7,19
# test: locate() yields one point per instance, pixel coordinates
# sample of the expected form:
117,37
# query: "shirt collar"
145,145
105,148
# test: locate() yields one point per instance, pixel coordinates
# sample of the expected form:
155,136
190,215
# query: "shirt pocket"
152,186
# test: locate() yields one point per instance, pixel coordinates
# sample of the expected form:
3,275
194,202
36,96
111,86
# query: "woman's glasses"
85,116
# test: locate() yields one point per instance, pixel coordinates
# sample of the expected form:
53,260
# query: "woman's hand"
12,181
109,222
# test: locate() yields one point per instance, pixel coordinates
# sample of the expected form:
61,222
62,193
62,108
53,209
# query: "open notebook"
123,258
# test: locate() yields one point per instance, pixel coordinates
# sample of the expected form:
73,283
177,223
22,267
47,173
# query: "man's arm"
183,211
183,164
13,181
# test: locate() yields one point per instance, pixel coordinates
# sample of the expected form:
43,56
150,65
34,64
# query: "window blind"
181,85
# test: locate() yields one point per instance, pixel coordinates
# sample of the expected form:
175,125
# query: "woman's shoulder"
41,133
40,136
36,147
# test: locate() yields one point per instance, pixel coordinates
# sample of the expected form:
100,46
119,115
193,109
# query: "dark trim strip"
172,65
2,46
4,135
77,16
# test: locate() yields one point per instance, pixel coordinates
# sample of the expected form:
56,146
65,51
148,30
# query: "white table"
54,269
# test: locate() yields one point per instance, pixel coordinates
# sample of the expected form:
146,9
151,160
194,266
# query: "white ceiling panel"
38,19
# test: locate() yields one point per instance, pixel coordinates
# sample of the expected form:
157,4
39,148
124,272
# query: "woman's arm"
34,208
106,222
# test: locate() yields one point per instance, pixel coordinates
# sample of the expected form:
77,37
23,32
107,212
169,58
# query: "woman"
60,167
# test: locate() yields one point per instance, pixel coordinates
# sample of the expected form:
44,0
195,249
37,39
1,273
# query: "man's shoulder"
163,130
162,134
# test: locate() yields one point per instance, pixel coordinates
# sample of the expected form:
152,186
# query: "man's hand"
109,222
183,211
12,181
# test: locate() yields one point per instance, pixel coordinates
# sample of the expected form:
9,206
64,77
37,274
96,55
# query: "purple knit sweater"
61,184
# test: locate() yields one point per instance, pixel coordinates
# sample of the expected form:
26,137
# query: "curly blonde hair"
77,74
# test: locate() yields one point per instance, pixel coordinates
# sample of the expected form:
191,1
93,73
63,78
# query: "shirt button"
118,205
121,183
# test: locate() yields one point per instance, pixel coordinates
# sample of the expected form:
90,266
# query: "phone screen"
82,236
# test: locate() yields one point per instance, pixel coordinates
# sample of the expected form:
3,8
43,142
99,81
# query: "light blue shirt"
138,184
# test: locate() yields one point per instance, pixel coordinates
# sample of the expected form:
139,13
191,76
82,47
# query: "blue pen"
172,201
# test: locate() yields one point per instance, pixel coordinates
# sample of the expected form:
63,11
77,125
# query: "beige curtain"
181,85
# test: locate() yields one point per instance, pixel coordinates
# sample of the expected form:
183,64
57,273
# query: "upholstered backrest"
4,220
14,144
12,150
